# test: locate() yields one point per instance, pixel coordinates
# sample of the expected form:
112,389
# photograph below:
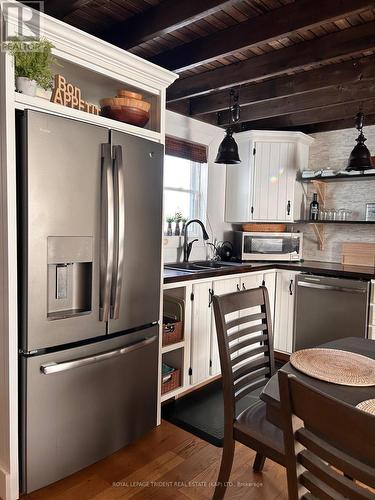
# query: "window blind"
184,149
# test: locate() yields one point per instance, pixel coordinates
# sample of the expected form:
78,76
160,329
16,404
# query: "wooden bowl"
127,93
127,102
132,115
267,228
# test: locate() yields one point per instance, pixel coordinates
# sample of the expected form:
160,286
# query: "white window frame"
197,192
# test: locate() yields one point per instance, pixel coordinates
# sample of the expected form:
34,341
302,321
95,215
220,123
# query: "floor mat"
202,412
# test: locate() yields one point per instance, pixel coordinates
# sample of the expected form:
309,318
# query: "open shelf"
172,347
338,178
23,101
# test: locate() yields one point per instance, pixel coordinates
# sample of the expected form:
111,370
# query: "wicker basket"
172,331
170,382
267,228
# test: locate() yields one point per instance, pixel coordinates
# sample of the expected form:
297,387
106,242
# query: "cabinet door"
269,280
274,181
220,287
284,311
238,194
201,332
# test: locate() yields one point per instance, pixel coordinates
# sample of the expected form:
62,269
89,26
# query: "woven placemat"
335,366
368,406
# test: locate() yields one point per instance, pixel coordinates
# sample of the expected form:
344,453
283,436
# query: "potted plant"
32,65
177,219
170,219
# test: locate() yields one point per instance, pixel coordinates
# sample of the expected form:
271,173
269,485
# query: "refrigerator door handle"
53,367
120,232
107,233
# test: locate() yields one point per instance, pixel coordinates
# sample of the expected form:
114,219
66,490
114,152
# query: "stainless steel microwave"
268,246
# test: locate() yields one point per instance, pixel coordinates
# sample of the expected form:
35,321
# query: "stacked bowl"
128,107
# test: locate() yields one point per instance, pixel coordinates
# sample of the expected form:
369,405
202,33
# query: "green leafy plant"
33,61
170,219
178,217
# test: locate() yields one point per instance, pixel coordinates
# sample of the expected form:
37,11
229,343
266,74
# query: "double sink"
200,266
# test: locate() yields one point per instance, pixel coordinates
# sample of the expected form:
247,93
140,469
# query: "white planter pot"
26,86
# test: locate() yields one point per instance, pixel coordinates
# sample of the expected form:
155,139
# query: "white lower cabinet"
284,311
201,332
205,360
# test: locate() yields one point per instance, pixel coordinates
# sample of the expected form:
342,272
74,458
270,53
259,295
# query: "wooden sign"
68,95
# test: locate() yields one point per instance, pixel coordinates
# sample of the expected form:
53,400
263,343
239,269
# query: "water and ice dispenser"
70,261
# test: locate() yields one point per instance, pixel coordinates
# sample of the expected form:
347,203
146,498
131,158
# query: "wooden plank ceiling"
297,64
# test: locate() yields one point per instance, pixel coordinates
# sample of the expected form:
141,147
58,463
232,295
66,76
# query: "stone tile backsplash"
332,150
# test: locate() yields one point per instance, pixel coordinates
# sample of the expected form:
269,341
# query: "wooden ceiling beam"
161,19
60,9
338,125
326,76
316,99
268,27
349,42
304,118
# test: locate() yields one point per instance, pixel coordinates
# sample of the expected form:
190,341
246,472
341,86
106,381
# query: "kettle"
225,250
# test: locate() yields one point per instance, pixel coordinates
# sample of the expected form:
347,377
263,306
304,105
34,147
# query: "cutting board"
358,254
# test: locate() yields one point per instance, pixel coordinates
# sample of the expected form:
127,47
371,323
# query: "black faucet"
189,246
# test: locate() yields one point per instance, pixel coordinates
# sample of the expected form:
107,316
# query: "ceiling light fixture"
228,149
360,157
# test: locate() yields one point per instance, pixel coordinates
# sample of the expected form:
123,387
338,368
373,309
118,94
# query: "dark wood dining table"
349,394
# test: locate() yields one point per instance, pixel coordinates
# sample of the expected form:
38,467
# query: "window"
185,188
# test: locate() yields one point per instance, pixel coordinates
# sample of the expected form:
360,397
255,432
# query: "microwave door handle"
120,231
106,233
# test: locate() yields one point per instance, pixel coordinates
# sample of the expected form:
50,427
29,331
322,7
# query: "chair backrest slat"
242,382
349,465
254,354
243,357
330,476
249,331
245,319
326,442
250,388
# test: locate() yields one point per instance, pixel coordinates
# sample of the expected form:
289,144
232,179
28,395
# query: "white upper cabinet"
263,187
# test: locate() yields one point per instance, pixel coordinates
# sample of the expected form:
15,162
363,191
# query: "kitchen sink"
197,266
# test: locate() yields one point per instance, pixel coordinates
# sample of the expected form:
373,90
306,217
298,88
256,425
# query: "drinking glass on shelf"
341,214
348,214
322,214
329,214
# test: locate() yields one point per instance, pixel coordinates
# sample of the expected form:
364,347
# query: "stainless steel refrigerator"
90,219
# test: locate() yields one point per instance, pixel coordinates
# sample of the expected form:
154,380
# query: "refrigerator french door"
90,218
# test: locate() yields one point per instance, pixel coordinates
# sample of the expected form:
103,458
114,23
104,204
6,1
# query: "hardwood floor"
168,463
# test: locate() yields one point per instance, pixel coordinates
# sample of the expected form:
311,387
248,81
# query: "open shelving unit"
320,185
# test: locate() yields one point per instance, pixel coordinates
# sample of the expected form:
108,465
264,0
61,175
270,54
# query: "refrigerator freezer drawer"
83,404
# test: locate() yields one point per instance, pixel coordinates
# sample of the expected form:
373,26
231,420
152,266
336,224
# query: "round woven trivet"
368,406
335,366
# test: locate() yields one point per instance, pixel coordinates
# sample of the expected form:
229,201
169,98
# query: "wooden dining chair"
244,332
329,445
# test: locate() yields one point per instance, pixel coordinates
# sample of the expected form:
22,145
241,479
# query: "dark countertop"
310,266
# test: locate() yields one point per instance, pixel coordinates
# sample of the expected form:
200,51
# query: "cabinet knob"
288,206
243,286
291,287
238,287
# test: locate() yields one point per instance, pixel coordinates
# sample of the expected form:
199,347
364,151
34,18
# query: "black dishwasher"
329,309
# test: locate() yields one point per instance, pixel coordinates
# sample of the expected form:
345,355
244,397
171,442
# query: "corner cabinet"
263,187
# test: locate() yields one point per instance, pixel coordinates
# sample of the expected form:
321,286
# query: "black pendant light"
360,157
228,149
